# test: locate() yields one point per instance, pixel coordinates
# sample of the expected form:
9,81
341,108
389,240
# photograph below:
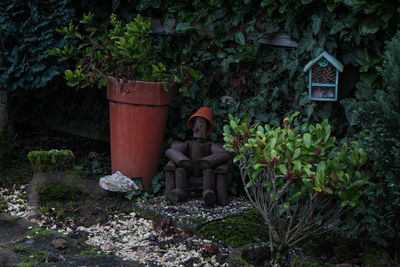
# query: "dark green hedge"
379,117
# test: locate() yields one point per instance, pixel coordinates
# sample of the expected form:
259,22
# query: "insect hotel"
323,77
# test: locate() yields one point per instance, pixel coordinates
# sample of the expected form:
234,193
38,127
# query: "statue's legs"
180,191
221,188
209,186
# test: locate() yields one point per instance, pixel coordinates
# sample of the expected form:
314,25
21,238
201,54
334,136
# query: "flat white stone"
118,183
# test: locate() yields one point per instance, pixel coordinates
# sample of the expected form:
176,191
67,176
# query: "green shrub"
297,178
61,191
125,52
50,161
379,116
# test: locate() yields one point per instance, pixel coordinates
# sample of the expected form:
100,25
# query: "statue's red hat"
205,113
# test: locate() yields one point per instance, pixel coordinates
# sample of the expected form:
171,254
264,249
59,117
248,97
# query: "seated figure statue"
199,163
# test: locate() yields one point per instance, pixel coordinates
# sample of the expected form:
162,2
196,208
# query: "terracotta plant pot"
138,116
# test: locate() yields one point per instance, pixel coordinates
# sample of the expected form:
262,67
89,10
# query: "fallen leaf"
165,223
59,243
211,249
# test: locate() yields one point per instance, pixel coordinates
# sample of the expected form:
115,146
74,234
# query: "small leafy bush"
297,178
157,188
124,51
49,161
94,163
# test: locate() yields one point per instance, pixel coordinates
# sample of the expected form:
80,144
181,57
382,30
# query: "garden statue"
199,163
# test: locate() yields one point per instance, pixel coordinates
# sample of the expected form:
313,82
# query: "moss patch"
238,231
90,252
61,191
3,204
24,264
39,231
50,161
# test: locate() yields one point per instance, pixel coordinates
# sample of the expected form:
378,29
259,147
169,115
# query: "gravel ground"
134,238
195,208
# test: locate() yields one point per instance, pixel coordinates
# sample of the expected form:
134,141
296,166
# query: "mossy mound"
61,191
50,161
238,231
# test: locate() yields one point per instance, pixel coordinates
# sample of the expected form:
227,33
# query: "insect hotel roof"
329,58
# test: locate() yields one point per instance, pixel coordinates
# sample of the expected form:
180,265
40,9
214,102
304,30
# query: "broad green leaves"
316,24
370,25
307,140
307,155
121,50
239,38
183,27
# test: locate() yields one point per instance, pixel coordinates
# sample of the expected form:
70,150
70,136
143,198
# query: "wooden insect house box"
323,77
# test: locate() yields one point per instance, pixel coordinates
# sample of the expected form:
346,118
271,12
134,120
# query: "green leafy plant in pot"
139,87
299,180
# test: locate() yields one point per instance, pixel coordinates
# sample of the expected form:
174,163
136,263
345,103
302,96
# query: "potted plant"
139,88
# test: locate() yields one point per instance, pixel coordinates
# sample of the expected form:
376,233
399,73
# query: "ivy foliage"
26,33
220,38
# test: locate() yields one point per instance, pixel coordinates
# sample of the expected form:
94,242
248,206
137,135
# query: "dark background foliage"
379,119
219,38
26,33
